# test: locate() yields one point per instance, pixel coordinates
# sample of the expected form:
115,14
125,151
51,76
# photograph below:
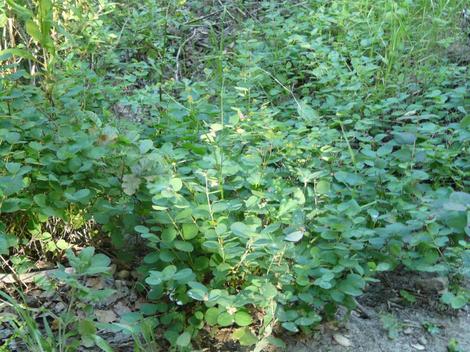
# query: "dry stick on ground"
15,278
202,17
6,279
365,312
225,10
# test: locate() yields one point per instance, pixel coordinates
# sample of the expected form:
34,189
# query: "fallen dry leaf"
80,314
95,282
123,274
120,308
105,316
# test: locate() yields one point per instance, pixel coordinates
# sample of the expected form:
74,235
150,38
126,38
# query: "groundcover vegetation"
257,163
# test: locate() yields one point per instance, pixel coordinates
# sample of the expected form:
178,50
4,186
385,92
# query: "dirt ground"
368,335
425,325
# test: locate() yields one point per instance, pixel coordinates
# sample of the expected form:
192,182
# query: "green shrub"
303,162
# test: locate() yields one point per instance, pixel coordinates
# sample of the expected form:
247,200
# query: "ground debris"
342,340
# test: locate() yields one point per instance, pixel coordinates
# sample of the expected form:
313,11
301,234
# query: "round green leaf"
169,234
404,138
289,326
148,308
62,244
225,319
323,187
145,145
211,316
244,336
176,184
189,231
295,236
198,294
242,318
201,263
184,275
454,301
184,339
184,246
141,229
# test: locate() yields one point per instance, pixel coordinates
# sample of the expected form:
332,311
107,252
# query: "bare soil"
425,325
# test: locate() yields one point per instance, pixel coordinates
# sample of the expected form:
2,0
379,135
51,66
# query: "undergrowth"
258,162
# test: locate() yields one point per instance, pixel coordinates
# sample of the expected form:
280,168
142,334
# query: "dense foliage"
263,161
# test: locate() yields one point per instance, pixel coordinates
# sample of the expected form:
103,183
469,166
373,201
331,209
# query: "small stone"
119,284
418,347
422,340
132,296
59,307
342,340
47,294
408,331
36,293
123,274
432,284
32,301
